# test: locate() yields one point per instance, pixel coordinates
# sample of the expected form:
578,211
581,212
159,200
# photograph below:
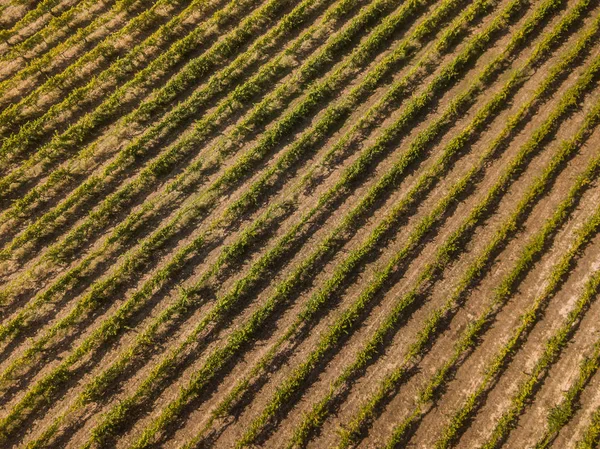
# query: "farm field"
300,223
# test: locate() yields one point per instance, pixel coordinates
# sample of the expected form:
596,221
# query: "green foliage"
58,22
41,8
318,91
100,291
62,143
562,413
530,253
591,437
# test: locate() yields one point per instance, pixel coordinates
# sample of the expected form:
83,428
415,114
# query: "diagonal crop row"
295,19
144,337
591,435
564,411
250,194
551,352
179,215
207,124
399,434
21,8
128,224
253,193
64,81
319,412
109,329
61,50
505,290
209,372
532,251
41,9
33,131
424,183
163,98
341,328
226,302
514,122
67,20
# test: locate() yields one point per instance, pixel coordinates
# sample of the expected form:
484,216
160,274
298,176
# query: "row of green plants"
204,127
45,60
401,88
32,309
129,155
591,435
349,319
563,412
264,311
533,250
110,329
125,224
554,345
320,411
34,306
568,102
251,194
139,69
236,291
472,275
120,413
23,7
33,15
69,19
399,435
59,148
61,84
